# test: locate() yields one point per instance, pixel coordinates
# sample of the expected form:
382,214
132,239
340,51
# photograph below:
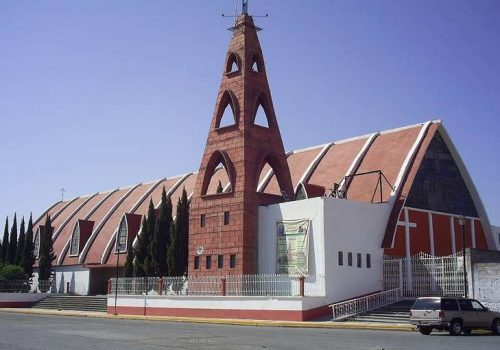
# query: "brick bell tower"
223,236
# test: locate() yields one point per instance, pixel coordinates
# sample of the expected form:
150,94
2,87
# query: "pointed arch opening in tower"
227,111
217,176
261,117
257,64
233,64
270,177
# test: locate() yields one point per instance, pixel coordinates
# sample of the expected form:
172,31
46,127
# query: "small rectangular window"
368,261
196,262
226,218
232,261
203,220
341,258
359,259
209,262
349,259
220,261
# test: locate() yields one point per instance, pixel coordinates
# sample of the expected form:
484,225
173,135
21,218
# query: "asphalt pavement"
33,331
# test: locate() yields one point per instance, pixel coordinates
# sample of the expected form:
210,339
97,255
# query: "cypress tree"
219,187
11,251
46,252
5,241
182,233
172,249
140,251
28,257
20,243
148,238
159,243
128,270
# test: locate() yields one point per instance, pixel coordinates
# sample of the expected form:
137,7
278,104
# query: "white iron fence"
370,302
234,285
425,275
26,286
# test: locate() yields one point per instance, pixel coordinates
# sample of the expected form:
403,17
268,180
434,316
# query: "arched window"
121,239
228,111
233,64
75,241
36,244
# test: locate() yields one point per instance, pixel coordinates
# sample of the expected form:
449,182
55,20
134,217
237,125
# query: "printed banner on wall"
292,247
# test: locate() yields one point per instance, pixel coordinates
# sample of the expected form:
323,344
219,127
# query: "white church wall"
357,228
77,276
304,209
336,225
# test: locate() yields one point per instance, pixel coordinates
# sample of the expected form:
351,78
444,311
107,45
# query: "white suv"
456,315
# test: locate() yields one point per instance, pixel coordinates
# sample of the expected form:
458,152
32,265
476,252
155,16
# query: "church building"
332,210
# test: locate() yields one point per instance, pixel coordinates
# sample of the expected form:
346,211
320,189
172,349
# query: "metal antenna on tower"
244,11
62,193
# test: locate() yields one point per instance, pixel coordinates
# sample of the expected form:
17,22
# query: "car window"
465,305
449,305
426,304
477,306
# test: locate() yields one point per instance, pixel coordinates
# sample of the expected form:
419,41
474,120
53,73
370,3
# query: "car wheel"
496,326
425,330
455,327
467,331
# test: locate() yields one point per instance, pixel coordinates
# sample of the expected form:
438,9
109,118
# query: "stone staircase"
395,313
73,302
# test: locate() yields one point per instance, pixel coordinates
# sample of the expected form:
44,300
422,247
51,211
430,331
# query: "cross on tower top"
244,7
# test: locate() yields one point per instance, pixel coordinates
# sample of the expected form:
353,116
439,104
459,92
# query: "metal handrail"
350,308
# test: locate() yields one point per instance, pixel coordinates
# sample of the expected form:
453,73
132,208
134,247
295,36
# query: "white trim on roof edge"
405,167
488,232
65,222
312,166
94,234
359,158
61,257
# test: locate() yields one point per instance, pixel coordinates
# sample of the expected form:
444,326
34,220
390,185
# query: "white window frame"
77,228
36,249
124,222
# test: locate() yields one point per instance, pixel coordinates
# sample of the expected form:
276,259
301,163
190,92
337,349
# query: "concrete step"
78,303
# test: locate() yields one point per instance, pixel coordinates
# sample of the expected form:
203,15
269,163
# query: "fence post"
109,286
223,285
301,285
160,286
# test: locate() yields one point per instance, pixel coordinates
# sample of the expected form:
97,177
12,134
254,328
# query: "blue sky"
99,94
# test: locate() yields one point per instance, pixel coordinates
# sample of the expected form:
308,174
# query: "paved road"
23,332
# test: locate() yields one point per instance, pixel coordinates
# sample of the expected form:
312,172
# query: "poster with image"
292,247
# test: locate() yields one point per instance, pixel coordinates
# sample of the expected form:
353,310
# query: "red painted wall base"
273,315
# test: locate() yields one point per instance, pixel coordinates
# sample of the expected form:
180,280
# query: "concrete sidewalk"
261,323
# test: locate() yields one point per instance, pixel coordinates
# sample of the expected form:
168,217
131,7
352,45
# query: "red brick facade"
225,224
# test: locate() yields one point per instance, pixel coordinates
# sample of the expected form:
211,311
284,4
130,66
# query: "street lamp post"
463,224
118,248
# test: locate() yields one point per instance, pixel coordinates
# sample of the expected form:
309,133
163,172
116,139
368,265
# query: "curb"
234,322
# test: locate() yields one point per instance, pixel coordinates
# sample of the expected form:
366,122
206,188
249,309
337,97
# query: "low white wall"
487,284
77,276
496,235
217,303
336,225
